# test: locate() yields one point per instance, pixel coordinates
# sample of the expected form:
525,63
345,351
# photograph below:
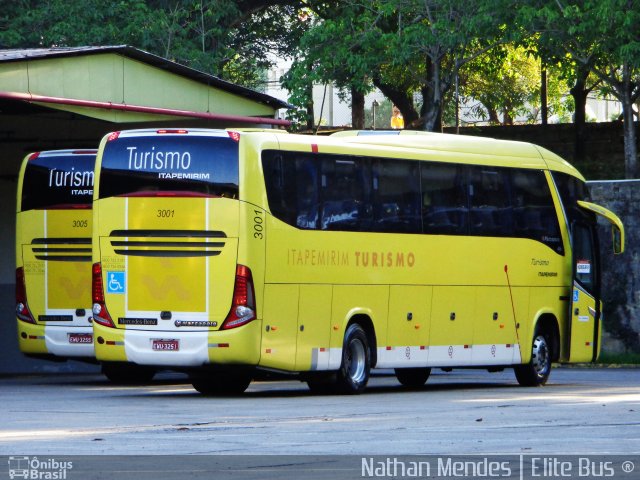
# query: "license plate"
166,345
80,338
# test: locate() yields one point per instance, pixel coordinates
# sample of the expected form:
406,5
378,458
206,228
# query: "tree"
507,82
602,36
330,51
545,30
405,46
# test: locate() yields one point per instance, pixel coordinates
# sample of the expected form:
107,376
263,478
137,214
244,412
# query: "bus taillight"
243,307
100,313
175,131
22,307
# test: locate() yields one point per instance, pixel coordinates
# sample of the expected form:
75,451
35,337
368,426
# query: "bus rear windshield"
58,182
184,165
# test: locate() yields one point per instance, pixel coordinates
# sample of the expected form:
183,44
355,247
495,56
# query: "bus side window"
534,213
304,182
445,209
280,186
491,212
396,196
345,194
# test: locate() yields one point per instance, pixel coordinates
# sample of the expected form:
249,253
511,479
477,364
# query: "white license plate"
166,345
80,338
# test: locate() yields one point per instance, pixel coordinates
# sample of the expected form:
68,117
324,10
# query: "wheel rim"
356,361
541,359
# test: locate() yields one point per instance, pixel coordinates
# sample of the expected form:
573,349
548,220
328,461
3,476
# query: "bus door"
585,302
585,313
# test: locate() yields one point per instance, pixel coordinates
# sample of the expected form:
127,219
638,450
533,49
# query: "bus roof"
439,147
408,144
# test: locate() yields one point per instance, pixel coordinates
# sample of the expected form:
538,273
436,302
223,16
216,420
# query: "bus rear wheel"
356,361
412,377
536,372
128,373
216,384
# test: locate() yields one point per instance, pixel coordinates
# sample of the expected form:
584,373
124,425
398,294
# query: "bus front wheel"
356,361
536,372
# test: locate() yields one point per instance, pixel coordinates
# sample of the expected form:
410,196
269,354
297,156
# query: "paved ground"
470,412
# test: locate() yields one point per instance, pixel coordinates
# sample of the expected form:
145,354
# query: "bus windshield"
58,181
139,165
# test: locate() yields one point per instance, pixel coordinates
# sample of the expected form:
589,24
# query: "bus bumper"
54,340
238,346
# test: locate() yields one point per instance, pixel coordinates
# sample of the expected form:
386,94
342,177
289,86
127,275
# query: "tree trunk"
493,116
357,109
310,111
579,92
402,100
630,148
432,98
544,111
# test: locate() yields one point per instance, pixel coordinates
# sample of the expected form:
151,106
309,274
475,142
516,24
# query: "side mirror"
618,246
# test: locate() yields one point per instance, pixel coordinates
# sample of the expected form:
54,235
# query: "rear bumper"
53,340
239,346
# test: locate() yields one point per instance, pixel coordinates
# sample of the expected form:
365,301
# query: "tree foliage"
505,84
599,38
230,39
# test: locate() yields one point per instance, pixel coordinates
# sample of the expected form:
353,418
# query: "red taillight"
84,152
22,307
243,306
100,313
172,131
235,136
34,155
113,136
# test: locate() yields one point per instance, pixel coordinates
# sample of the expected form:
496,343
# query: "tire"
412,377
536,372
355,368
128,373
216,384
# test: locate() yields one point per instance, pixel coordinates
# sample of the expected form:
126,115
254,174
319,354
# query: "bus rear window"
150,165
58,181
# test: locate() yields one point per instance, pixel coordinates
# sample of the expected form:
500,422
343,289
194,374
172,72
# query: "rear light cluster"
243,307
100,313
22,307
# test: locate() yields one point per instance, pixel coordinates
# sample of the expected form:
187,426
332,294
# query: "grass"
630,358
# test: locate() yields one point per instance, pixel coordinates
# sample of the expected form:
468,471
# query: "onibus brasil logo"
33,468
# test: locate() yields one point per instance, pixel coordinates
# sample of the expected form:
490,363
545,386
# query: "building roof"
15,55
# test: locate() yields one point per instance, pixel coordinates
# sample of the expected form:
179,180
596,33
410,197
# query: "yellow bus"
53,254
225,253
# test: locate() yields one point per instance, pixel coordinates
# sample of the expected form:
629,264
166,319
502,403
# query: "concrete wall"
621,273
604,144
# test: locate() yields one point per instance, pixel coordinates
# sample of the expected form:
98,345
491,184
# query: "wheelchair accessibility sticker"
115,282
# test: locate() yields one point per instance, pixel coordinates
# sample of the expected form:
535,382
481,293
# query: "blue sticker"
576,295
115,282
